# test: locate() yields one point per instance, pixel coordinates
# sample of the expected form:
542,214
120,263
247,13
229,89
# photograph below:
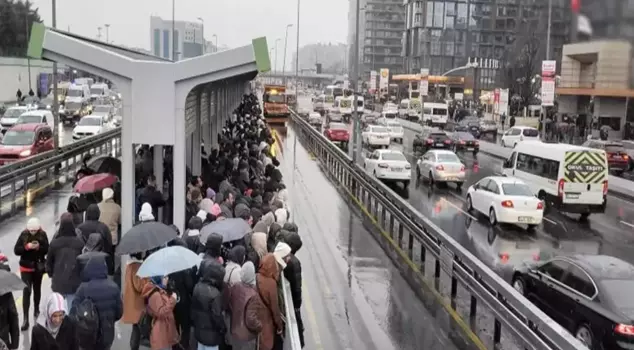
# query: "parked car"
441,166
465,142
618,158
589,295
431,138
25,140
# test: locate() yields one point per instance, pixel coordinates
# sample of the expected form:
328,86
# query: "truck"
276,111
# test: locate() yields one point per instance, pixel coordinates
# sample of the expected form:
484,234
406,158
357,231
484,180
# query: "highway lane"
356,297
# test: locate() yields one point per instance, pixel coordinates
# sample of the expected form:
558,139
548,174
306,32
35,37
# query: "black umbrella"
105,164
145,236
230,230
10,282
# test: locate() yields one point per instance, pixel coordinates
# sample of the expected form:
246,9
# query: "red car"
618,159
337,132
25,140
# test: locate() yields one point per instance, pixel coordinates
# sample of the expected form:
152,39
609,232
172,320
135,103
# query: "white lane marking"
627,224
497,173
458,197
459,209
551,221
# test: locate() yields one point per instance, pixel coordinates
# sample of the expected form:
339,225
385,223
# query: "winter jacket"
293,270
244,305
133,302
160,306
93,249
207,304
41,338
9,323
61,261
213,246
93,225
105,295
110,215
30,258
271,317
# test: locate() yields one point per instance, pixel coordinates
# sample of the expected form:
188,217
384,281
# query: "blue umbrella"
167,261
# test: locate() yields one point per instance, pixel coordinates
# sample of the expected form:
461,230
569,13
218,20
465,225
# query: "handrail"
80,144
291,339
511,310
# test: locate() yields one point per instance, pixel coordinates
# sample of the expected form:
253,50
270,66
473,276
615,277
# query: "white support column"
158,173
180,181
196,138
127,162
216,124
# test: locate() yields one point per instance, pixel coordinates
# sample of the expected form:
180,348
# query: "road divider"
413,241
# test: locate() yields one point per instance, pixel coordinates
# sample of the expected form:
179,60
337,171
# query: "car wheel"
493,220
531,228
431,180
469,203
406,184
584,335
518,285
515,145
459,186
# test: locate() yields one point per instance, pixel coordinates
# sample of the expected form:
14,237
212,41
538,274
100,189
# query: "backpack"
87,323
146,322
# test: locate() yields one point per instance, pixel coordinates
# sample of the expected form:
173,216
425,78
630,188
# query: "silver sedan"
441,166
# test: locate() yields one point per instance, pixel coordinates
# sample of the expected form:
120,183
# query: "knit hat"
33,224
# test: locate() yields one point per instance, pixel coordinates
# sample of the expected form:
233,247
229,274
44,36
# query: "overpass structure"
313,79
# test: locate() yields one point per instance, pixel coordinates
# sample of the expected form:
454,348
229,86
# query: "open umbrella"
167,261
145,236
94,183
10,282
105,164
229,229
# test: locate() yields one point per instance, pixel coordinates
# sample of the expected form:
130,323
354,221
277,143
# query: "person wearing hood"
271,317
110,213
150,194
243,304
213,248
146,213
93,249
61,260
32,247
106,297
9,320
291,227
281,216
160,305
257,248
93,225
53,329
192,235
133,302
207,306
235,259
293,273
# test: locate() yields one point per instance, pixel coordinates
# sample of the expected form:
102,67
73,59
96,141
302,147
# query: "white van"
77,94
360,104
37,117
409,109
99,90
573,179
435,114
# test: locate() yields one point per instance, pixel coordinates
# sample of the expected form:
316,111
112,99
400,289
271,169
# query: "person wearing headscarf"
160,305
133,302
61,260
257,247
271,317
54,330
146,213
243,304
110,213
281,216
32,247
235,259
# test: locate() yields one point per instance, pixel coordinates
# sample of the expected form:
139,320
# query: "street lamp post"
276,41
28,60
296,88
202,29
107,32
216,41
173,30
55,91
355,150
284,60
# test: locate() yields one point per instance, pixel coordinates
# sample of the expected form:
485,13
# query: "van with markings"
573,179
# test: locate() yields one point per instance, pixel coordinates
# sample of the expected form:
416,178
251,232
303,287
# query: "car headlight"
25,153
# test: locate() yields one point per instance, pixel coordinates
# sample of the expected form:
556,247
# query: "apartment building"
188,39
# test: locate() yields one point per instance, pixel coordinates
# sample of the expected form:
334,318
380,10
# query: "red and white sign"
424,81
549,69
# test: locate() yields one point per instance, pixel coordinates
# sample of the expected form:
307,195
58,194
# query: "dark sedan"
465,141
431,139
589,295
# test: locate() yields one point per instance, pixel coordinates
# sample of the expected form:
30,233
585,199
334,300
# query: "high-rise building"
444,34
610,18
381,26
189,40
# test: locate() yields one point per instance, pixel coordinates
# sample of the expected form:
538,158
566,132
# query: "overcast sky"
235,22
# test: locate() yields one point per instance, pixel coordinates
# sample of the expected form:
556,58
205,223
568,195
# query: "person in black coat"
207,305
31,247
93,249
54,330
61,261
293,273
9,322
182,283
192,235
106,297
150,194
93,225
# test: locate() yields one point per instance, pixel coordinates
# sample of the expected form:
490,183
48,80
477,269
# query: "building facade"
381,27
189,40
442,35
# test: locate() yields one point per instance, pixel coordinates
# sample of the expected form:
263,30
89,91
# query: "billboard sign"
549,69
424,81
384,79
373,75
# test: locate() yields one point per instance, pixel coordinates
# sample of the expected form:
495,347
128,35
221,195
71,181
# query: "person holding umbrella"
160,305
9,322
133,301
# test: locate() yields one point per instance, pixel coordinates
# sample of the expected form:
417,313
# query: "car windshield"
96,91
393,156
14,112
337,126
530,132
102,109
618,291
394,125
464,136
517,189
87,121
18,138
27,119
447,158
379,129
75,93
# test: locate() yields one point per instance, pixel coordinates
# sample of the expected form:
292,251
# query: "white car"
505,200
441,166
396,131
376,136
89,126
37,117
518,134
10,117
389,165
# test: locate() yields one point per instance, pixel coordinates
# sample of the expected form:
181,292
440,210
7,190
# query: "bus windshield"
274,98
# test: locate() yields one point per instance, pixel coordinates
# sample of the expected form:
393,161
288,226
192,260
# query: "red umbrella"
94,183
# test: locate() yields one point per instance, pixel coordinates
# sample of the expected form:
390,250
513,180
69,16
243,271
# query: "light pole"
216,40
55,91
173,30
550,14
276,41
107,32
98,33
202,29
354,151
284,60
28,60
296,88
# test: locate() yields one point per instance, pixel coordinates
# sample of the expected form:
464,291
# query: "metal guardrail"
415,243
291,334
20,188
76,146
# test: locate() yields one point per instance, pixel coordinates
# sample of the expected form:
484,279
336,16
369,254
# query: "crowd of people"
231,300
